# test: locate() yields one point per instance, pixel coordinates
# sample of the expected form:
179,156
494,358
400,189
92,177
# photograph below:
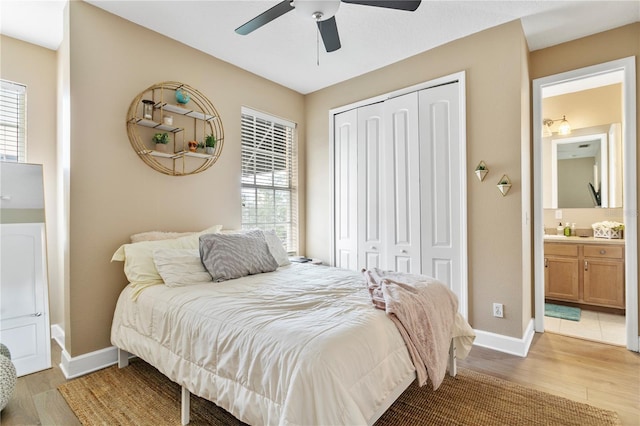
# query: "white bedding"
299,346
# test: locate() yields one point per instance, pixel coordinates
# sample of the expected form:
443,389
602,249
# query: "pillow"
158,235
276,248
229,256
180,267
138,257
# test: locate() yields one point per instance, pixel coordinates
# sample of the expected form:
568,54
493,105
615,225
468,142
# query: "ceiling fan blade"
409,5
329,32
265,17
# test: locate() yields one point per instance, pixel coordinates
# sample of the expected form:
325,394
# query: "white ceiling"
285,50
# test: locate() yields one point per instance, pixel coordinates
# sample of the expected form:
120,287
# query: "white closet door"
370,220
402,184
24,316
440,152
345,191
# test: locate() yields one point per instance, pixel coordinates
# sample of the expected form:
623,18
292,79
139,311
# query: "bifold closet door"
371,244
440,174
346,189
402,184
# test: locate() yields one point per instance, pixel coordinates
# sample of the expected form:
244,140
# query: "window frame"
279,155
13,121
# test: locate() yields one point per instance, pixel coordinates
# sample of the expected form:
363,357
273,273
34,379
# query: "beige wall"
497,109
113,194
596,49
35,67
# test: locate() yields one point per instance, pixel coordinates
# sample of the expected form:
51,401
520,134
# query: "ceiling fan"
323,12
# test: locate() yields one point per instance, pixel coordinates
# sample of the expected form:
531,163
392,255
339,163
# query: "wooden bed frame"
185,410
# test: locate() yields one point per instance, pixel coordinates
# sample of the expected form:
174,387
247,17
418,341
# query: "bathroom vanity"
585,271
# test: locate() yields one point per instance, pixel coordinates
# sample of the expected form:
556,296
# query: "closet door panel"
441,184
370,217
345,190
402,183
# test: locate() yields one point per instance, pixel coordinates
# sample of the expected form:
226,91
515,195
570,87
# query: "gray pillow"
229,256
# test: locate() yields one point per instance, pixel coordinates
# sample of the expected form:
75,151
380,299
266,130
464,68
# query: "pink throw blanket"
424,310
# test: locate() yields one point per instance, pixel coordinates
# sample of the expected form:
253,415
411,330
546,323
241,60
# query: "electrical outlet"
498,311
558,214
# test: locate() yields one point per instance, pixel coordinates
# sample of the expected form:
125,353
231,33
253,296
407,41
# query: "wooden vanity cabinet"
588,274
603,275
561,272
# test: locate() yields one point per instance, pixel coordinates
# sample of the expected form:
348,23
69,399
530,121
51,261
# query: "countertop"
581,240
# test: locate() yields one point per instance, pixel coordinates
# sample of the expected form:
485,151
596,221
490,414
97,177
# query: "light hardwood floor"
602,375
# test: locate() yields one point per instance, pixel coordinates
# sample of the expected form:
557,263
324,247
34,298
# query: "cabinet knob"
546,262
603,251
586,265
403,251
373,248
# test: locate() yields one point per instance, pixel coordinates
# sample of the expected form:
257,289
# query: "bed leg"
185,411
123,358
453,367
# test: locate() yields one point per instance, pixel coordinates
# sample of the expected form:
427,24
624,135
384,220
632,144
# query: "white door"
402,184
345,190
370,196
24,316
442,189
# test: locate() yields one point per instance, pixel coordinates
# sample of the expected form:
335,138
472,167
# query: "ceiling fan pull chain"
317,46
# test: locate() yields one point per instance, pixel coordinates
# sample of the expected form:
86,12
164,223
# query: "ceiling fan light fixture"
318,10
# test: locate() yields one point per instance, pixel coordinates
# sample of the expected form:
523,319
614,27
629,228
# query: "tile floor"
598,326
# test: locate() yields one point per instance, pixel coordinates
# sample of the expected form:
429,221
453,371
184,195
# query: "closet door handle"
586,265
37,314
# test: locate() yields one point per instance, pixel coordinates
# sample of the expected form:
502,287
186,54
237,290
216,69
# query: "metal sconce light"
563,129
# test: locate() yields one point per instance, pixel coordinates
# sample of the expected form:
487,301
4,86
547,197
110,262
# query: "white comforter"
299,346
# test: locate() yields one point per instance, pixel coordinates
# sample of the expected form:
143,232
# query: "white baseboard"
57,334
87,363
507,344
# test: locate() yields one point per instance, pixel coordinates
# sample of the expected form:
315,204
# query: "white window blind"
269,176
12,122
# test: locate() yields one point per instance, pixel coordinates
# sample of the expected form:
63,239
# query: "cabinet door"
402,183
604,282
561,278
345,191
370,215
24,316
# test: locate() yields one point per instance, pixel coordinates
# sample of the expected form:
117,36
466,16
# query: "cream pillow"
276,248
158,235
138,257
180,267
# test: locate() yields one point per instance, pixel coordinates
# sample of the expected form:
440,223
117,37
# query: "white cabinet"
24,312
400,187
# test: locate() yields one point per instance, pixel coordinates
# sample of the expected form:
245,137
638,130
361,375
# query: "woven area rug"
140,395
563,312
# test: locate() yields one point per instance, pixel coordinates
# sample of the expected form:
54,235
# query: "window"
12,122
269,176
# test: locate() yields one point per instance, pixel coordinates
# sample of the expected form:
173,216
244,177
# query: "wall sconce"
563,129
481,171
504,185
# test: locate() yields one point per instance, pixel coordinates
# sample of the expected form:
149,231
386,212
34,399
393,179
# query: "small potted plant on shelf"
161,140
200,148
210,143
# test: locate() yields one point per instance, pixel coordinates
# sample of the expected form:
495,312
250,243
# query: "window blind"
12,121
269,176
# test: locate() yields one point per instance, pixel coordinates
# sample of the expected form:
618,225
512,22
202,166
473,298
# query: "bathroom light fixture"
563,129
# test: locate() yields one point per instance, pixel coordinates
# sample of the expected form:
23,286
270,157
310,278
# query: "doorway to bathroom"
585,232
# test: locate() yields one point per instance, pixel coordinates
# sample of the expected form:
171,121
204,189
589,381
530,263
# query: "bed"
300,345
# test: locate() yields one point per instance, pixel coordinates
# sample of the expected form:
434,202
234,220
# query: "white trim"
73,367
506,344
57,334
459,77
629,138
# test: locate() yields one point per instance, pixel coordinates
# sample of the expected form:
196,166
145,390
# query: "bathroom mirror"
584,170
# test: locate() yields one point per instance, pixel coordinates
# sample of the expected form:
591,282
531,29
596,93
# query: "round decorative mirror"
175,129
